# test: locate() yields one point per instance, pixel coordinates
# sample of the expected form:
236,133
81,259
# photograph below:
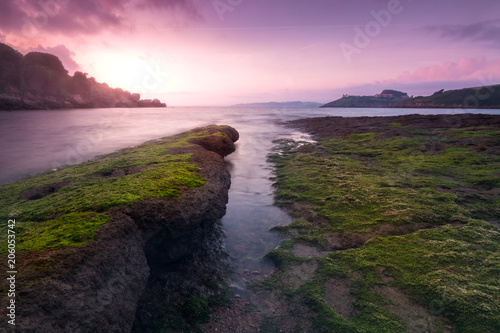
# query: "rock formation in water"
96,287
39,81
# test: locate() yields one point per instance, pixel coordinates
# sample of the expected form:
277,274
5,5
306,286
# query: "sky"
223,52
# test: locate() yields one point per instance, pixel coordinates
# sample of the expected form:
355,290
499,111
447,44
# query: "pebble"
237,296
246,271
255,273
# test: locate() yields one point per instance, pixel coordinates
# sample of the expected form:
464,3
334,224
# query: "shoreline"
108,226
319,262
39,103
380,203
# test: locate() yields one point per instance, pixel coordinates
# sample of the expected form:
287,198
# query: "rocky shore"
86,264
396,229
17,101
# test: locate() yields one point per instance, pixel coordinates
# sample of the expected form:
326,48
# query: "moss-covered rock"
400,221
88,236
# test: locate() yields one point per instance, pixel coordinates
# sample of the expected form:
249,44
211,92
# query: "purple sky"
221,52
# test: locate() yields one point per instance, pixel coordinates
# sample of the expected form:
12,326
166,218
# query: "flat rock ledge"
97,287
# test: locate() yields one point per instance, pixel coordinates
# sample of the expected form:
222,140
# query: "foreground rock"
96,286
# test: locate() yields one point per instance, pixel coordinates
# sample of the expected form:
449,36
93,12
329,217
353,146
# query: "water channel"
34,141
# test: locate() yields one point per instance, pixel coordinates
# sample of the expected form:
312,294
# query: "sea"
35,141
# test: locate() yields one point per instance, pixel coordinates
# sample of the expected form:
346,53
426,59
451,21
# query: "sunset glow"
191,52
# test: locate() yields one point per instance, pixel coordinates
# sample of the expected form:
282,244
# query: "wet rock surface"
145,247
43,191
310,289
315,264
344,126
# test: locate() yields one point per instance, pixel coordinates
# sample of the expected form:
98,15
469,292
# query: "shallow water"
34,141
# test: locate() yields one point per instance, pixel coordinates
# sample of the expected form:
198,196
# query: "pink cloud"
33,17
464,69
485,31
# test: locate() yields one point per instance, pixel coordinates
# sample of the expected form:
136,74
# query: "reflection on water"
33,141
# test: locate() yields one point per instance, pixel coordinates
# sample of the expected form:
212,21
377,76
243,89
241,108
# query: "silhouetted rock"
11,63
39,81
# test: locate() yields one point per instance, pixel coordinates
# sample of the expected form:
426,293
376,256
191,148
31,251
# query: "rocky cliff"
38,81
93,281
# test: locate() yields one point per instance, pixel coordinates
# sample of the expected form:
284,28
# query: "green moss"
196,310
364,182
120,178
471,133
73,229
165,319
451,271
361,137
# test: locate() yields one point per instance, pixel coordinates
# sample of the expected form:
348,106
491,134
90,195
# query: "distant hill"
388,98
40,81
486,97
296,104
472,98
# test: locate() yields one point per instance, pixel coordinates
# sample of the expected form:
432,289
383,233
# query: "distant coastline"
295,104
484,97
39,81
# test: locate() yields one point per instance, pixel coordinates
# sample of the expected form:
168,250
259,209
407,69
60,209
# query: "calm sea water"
34,141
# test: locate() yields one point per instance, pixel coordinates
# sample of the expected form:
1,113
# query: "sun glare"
121,70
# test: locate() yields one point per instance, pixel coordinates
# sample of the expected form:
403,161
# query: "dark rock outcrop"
39,81
345,126
42,191
97,287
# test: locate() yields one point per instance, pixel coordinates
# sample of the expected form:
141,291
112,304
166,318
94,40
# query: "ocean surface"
35,141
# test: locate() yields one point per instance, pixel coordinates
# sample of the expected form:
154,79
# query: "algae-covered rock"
88,236
397,225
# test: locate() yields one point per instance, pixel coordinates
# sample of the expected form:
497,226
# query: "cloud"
486,31
464,69
10,14
447,75
30,17
190,7
64,54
